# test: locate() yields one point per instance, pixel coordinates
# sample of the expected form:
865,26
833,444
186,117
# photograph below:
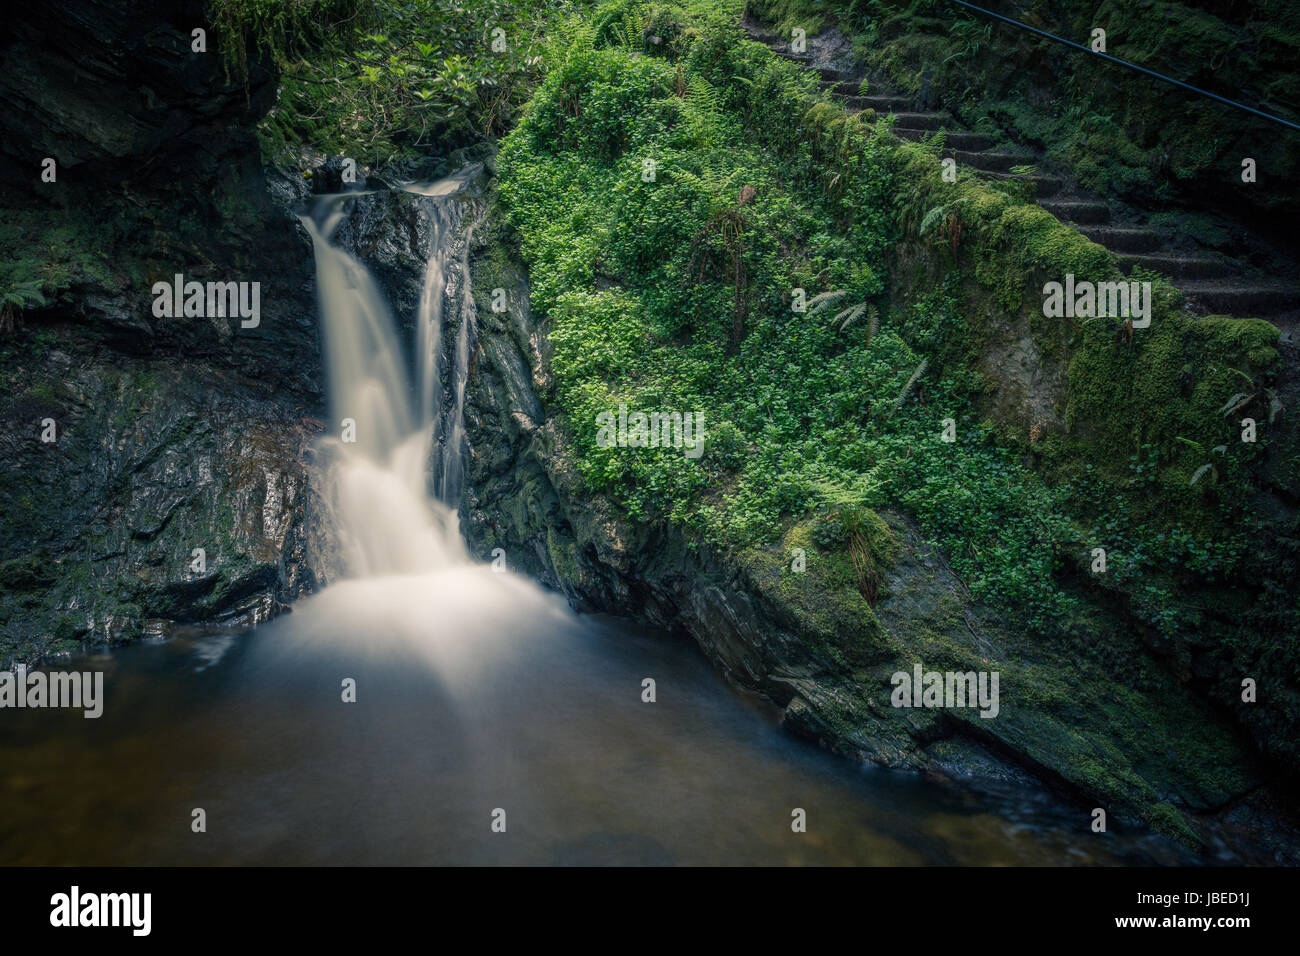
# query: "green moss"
562,558
1178,373
146,382
30,572
1167,819
57,251
1017,240
824,597
43,392
677,293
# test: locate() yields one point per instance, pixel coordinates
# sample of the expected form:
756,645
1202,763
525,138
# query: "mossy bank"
677,291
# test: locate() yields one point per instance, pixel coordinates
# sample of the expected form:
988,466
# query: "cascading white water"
446,278
377,489
409,583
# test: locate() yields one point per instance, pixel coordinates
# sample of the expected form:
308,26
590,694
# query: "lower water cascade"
424,708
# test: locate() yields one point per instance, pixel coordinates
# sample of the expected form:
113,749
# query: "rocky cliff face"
170,435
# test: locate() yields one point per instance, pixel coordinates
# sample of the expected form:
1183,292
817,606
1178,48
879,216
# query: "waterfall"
402,586
395,439
446,278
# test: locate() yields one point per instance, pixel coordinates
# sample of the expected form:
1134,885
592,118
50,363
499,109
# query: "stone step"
1124,238
955,139
1078,210
922,120
1240,297
1180,266
1044,185
837,76
827,73
803,59
989,160
881,104
841,87
1207,282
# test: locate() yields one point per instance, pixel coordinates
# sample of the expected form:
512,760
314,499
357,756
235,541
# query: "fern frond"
931,217
702,108
819,302
1238,401
850,315
902,395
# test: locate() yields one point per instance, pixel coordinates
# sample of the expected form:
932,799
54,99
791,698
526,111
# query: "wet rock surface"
172,494
170,434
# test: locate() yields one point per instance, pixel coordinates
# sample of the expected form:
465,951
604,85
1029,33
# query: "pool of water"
474,692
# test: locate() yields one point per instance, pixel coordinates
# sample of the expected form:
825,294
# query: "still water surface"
475,691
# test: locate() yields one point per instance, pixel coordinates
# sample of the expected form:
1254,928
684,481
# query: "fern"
19,297
835,492
819,302
902,395
703,109
850,315
578,38
937,214
25,294
627,33
1236,403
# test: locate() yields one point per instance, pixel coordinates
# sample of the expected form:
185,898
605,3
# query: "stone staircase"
1211,284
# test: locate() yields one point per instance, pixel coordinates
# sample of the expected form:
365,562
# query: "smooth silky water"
476,689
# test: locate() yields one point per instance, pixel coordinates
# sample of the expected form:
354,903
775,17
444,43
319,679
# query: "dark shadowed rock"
173,434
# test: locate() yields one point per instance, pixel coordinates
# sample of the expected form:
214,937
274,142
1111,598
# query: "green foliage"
640,283
385,82
1142,413
17,297
676,294
44,255
278,28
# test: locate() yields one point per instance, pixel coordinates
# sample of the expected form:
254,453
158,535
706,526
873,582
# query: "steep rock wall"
173,434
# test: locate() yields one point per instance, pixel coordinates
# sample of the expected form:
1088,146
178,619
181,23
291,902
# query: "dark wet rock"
341,174
151,463
115,92
390,233
338,174
158,175
172,433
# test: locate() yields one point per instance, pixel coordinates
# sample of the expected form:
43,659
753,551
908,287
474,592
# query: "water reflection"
475,691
